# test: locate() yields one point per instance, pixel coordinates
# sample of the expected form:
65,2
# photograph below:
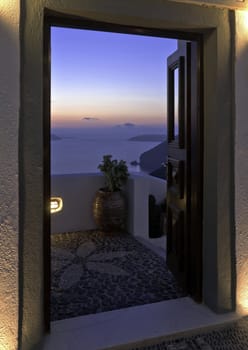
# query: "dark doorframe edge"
46,171
197,201
58,19
232,21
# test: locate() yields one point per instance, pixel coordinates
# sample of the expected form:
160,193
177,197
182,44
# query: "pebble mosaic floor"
94,272
233,336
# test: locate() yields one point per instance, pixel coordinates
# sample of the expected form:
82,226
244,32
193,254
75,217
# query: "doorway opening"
173,225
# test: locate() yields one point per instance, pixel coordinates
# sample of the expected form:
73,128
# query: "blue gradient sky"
108,78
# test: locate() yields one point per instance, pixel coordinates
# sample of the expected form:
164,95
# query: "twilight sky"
103,79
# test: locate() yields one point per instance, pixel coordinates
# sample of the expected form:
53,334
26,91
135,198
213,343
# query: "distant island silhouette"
148,138
55,137
134,162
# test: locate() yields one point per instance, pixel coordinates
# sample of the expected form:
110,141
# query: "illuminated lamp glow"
56,204
245,14
243,304
242,288
3,3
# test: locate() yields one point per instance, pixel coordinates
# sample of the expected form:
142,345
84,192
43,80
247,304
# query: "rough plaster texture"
241,158
231,4
218,185
9,116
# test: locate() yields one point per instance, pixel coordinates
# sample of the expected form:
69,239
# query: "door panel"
182,104
175,176
176,100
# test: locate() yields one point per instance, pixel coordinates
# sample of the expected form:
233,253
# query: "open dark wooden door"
184,231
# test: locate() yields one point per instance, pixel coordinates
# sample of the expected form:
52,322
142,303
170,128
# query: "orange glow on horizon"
99,123
108,116
101,120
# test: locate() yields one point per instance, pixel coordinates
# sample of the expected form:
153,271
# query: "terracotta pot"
110,211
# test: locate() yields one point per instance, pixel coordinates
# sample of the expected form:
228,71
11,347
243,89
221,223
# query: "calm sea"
80,151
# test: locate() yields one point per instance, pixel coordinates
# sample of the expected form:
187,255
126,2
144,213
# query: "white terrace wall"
241,159
78,191
9,115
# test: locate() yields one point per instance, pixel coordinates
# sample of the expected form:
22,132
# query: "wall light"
245,14
4,3
242,287
242,303
56,204
242,35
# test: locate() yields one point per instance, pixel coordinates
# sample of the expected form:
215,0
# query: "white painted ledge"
132,325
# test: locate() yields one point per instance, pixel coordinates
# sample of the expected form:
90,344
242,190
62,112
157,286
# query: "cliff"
151,160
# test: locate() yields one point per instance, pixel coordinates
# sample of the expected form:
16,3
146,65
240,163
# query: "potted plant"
109,207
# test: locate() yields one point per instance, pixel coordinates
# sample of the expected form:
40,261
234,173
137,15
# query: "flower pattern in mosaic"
94,272
95,262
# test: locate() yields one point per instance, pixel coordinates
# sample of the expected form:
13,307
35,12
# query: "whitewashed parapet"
78,191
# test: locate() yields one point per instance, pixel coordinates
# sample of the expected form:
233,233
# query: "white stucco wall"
217,151
78,192
9,114
241,159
